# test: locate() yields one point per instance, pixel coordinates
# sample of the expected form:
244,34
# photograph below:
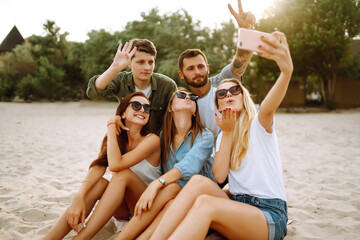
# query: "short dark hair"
144,45
189,53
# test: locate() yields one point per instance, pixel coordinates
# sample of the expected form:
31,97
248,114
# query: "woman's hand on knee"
76,212
147,198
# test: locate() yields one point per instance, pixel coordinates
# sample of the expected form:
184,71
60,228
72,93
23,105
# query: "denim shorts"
275,211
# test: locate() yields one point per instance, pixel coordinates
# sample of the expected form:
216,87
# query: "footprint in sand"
36,215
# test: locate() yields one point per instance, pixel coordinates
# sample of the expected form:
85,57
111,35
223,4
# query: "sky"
78,17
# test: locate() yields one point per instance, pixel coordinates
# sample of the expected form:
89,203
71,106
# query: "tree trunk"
328,91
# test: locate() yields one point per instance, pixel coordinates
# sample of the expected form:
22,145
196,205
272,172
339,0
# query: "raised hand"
116,120
228,120
123,56
278,51
244,19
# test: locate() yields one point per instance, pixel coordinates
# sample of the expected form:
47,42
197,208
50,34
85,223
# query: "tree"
319,33
15,65
98,52
44,68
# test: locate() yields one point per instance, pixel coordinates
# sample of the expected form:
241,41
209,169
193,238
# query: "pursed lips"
229,101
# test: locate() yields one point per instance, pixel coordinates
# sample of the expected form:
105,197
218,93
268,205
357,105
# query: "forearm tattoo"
241,61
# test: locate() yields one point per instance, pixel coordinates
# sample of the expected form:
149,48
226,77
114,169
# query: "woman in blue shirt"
186,150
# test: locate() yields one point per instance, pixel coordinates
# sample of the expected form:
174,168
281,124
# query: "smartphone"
250,39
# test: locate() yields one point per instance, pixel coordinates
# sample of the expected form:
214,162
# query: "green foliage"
44,68
98,52
319,33
45,84
54,45
15,65
74,74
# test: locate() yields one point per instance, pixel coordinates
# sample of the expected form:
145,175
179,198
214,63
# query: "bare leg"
121,183
62,228
232,219
137,225
150,230
182,204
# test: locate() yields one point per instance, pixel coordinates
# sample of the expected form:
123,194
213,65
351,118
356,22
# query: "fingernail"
260,54
260,46
215,114
84,225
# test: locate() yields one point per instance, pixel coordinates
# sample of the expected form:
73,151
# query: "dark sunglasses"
183,95
137,106
235,90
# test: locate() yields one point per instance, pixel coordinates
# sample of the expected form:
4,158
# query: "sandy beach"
46,148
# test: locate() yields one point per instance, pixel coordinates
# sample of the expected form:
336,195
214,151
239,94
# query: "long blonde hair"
242,128
168,129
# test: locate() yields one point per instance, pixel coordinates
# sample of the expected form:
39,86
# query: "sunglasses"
137,106
235,90
183,95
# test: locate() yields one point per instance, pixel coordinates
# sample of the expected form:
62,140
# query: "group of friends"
171,150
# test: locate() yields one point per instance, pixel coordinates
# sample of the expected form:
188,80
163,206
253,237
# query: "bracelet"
110,123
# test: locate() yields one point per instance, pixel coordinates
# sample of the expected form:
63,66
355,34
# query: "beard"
198,83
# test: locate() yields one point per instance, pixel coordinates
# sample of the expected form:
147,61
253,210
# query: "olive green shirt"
123,84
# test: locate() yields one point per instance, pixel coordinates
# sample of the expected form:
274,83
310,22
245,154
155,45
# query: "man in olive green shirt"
140,56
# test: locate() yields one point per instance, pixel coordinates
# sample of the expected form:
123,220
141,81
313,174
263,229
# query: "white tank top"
146,172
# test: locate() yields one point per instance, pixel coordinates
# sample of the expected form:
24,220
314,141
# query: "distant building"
11,40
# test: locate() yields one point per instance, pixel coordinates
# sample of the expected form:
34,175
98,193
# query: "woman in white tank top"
132,154
247,153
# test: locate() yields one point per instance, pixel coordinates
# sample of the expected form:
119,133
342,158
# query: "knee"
102,183
203,203
198,182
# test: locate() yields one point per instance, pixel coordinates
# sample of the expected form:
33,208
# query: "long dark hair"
122,138
168,129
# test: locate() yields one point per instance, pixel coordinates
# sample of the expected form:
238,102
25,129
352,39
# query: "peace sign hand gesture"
244,20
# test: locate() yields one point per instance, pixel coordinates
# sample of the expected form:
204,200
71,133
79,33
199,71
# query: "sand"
46,148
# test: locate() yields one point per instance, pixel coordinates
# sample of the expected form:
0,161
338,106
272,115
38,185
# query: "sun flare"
257,7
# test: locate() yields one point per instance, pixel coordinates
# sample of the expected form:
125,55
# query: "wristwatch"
162,181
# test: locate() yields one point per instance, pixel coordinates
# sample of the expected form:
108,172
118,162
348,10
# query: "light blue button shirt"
192,160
